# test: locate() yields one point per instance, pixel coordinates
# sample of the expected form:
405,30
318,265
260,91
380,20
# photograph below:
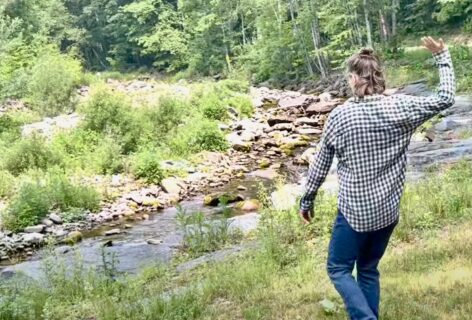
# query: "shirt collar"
369,98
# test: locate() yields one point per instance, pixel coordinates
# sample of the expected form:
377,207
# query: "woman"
370,135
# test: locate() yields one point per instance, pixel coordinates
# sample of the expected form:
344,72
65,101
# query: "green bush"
242,103
7,183
28,207
198,135
52,83
65,195
40,194
158,121
107,158
29,153
146,165
111,114
212,106
233,86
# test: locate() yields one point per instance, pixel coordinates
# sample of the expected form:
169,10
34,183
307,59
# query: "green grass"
425,275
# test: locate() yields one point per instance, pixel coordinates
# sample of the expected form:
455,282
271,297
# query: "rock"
112,232
279,119
307,121
285,197
171,185
308,156
264,163
242,146
309,131
214,200
33,238
325,96
136,199
280,127
322,107
55,218
154,241
35,229
269,174
241,188
249,205
295,102
47,222
73,237
116,181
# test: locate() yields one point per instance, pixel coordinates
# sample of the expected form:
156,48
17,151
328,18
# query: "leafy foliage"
42,193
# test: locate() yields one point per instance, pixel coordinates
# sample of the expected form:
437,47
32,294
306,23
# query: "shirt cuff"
443,57
306,205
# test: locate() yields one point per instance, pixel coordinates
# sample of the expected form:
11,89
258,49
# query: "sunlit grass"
426,274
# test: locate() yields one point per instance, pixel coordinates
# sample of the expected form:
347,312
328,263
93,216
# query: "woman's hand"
433,45
305,215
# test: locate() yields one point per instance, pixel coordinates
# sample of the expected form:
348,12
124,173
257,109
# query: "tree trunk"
367,25
243,30
299,38
384,32
322,61
395,7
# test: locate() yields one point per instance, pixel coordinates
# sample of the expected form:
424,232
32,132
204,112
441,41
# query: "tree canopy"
268,39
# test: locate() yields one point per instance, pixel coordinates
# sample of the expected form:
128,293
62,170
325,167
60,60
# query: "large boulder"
35,229
322,107
301,101
33,238
171,185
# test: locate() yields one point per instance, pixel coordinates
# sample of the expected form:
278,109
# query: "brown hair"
366,68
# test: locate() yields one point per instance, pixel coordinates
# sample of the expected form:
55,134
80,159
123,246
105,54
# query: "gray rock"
35,229
154,241
171,185
112,232
55,218
47,223
33,238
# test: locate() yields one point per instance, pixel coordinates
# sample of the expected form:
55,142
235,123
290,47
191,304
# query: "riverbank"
263,147
426,273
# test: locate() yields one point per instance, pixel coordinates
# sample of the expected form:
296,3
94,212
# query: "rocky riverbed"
140,223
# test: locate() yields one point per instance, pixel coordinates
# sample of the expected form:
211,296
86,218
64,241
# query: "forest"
152,156
276,40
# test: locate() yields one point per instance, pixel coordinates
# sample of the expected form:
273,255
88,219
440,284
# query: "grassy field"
427,272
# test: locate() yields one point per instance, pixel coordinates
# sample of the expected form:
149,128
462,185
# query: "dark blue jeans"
364,249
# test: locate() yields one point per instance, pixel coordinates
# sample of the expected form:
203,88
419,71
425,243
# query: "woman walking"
370,135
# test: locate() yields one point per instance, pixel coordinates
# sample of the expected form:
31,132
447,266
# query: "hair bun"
366,51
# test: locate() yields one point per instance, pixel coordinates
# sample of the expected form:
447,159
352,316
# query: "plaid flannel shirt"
370,137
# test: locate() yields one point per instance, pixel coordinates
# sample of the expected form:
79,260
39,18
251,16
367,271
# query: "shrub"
111,114
29,153
198,135
242,103
42,193
162,119
7,182
212,106
28,207
107,157
233,85
147,166
65,195
52,83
